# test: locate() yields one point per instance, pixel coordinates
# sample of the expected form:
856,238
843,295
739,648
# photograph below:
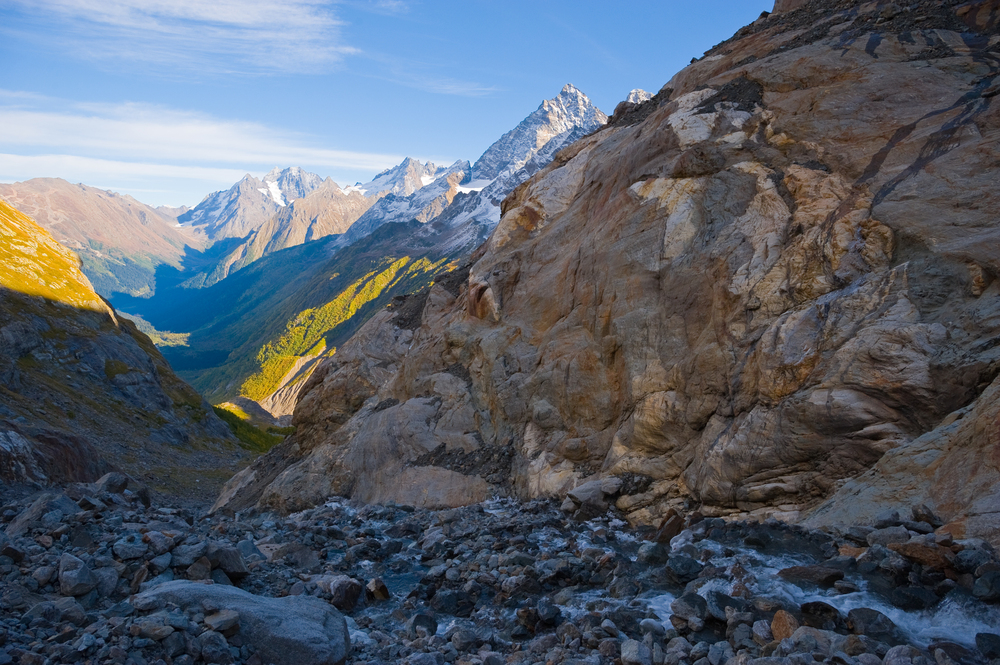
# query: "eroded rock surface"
742,292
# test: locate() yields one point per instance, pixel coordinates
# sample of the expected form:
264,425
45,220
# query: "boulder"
690,606
634,652
821,576
45,504
75,578
113,482
284,631
228,559
783,625
874,624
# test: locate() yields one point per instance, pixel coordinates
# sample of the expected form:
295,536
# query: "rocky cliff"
82,390
737,296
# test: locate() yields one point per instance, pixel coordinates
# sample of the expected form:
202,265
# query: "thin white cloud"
143,132
91,170
143,147
246,36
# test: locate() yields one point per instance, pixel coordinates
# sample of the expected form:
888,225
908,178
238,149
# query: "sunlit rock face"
737,296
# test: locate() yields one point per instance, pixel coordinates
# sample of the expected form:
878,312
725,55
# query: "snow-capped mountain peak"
286,185
568,111
403,179
638,96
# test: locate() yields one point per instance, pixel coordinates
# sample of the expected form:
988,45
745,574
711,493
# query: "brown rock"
377,590
223,620
783,625
926,554
818,575
200,569
671,525
848,550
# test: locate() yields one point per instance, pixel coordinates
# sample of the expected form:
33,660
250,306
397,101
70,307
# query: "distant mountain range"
282,269
242,208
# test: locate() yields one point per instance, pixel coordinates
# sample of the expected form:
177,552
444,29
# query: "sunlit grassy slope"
247,331
33,263
306,334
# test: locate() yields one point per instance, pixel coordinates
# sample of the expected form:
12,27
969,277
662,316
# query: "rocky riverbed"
100,574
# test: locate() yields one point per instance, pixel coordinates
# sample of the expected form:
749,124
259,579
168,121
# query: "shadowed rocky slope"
82,390
741,293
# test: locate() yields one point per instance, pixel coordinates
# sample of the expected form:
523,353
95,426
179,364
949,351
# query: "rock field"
98,574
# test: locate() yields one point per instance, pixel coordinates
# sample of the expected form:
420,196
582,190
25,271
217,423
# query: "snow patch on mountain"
638,96
275,192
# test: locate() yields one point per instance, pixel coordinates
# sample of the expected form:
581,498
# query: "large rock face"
742,292
82,390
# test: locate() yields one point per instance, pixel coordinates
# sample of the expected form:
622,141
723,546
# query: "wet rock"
548,612
671,525
874,624
653,553
818,614
422,623
690,605
821,576
987,587
683,568
75,578
718,602
913,598
634,652
783,625
988,645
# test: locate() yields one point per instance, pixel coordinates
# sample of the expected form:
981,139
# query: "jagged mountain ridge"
568,110
82,390
120,240
749,298
243,208
327,210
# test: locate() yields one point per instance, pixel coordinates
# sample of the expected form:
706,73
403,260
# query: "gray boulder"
75,578
294,630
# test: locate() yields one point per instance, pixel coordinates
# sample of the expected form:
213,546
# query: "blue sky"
168,100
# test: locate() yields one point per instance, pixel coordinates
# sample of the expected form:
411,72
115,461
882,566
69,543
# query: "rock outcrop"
83,390
739,295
